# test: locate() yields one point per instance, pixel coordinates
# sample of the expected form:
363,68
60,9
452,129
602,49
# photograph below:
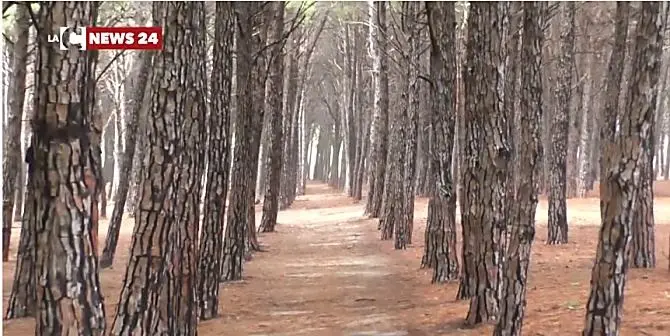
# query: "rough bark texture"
274,106
65,180
413,33
622,182
158,295
289,99
486,173
140,89
440,237
11,160
248,18
394,219
515,281
259,73
379,131
557,226
216,190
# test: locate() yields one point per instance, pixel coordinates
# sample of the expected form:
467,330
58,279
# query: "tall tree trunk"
158,295
12,139
440,236
141,95
511,103
274,106
583,135
259,75
414,34
249,17
610,112
351,59
291,87
488,160
626,159
216,190
380,118
64,195
557,226
515,281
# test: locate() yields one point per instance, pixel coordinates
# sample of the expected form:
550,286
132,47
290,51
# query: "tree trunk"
380,118
621,186
258,75
486,173
515,281
158,295
275,90
248,45
141,95
414,35
291,87
65,194
511,105
610,112
12,139
351,59
22,298
440,236
643,242
557,226
216,190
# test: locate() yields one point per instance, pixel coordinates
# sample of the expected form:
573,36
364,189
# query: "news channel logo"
72,37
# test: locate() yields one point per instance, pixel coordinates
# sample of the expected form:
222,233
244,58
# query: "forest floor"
326,273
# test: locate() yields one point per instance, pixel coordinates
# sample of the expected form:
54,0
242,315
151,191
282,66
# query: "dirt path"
325,273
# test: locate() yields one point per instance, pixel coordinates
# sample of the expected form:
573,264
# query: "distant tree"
558,220
11,141
141,83
621,186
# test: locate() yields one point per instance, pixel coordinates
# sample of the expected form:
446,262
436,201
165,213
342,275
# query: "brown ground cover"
327,273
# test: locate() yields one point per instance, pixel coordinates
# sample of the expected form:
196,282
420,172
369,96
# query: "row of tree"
352,113
490,83
176,125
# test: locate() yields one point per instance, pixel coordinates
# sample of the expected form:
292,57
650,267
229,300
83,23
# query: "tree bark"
440,236
622,182
380,118
291,91
12,138
274,105
557,226
515,281
413,34
488,159
259,73
65,180
158,295
249,17
216,190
